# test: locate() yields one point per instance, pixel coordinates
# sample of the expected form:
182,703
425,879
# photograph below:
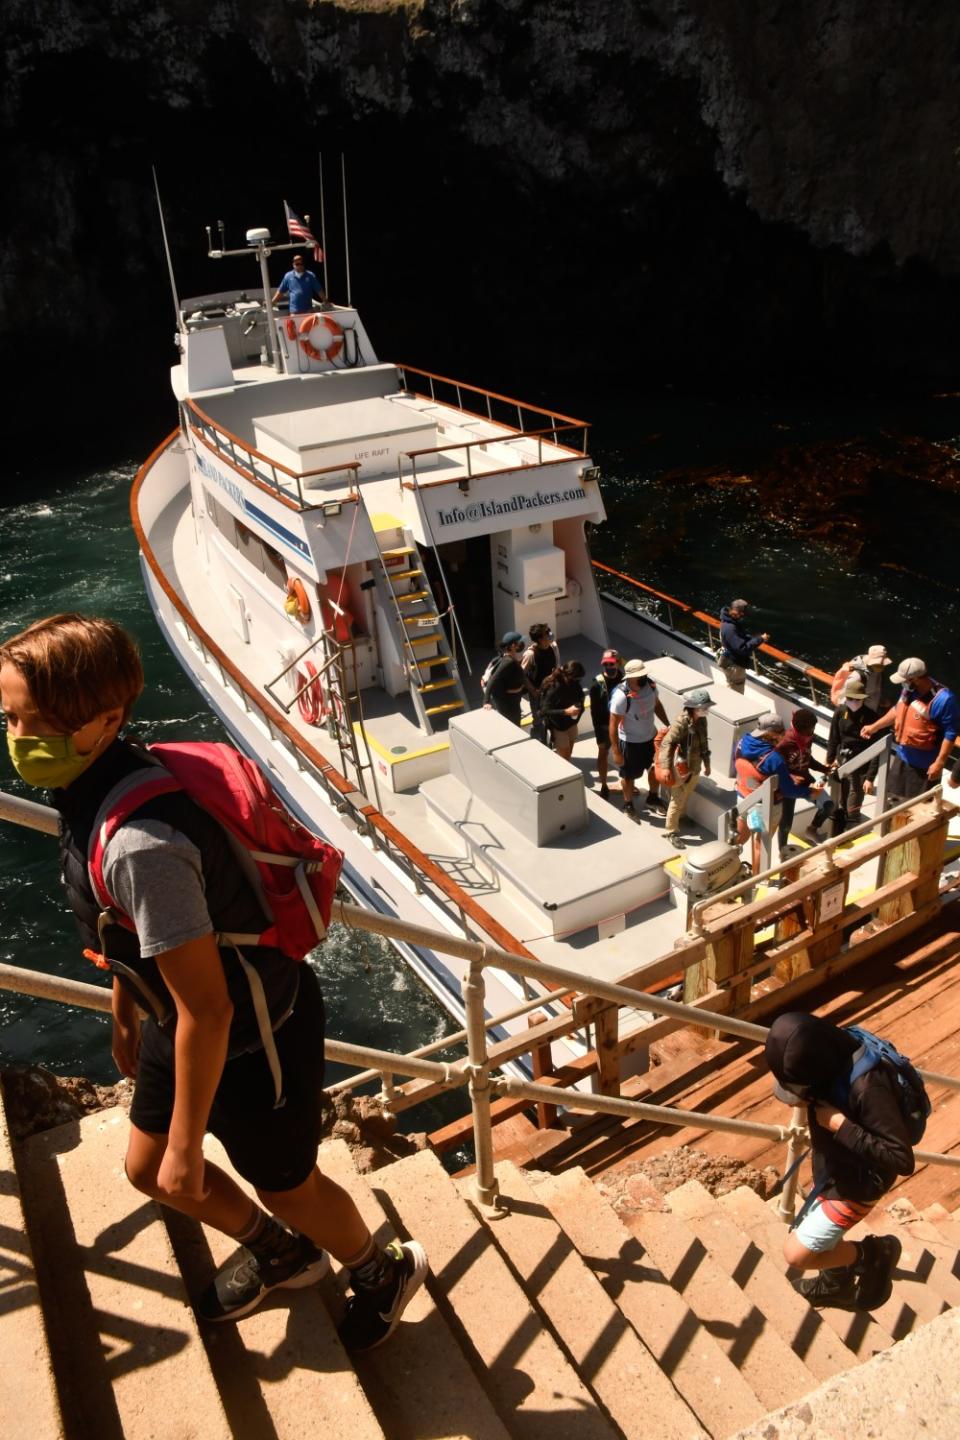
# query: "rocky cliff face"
688,187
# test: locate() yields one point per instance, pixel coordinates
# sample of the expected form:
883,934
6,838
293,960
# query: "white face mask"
854,704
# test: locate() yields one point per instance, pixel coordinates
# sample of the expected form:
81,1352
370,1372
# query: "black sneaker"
629,811
372,1315
657,802
878,1260
604,792
279,1259
834,1288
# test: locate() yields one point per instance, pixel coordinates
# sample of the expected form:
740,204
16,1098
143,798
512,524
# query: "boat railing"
267,474
442,390
688,620
482,445
711,958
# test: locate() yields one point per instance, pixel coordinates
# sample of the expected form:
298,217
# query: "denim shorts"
827,1221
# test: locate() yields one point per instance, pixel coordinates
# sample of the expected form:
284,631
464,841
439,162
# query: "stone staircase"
671,1319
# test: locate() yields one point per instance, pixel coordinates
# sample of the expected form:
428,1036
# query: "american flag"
300,231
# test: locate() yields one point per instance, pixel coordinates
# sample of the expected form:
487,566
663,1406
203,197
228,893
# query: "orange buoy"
326,331
297,602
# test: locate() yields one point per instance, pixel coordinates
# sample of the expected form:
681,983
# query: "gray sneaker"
279,1259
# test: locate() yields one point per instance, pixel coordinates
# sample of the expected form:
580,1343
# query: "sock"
254,1227
371,1267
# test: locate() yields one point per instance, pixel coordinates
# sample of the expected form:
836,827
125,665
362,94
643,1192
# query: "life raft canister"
297,603
310,697
327,335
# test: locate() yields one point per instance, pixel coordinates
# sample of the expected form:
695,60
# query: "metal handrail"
474,1072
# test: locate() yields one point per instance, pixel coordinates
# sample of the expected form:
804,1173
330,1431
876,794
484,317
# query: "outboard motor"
711,868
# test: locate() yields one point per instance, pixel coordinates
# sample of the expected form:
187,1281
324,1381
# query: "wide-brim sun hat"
853,689
634,669
877,655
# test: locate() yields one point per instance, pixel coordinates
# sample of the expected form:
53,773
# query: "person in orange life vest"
68,685
757,759
796,749
635,708
926,722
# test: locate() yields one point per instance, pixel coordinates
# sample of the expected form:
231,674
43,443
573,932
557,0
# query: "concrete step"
420,1384
607,1352
28,1396
699,1369
282,1368
535,1389
764,1284
771,1369
859,1332
126,1350
927,1257
947,1223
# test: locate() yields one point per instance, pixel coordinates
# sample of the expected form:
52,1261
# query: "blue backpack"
910,1089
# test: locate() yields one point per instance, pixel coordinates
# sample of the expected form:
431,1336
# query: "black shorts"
637,758
275,1149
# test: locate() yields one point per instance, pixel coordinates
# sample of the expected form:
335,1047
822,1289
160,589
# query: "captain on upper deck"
300,286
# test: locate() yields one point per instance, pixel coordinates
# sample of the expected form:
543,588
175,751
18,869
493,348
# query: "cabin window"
260,555
273,567
222,518
249,545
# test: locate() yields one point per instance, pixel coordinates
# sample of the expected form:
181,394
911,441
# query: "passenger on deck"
610,676
301,286
796,747
846,740
756,759
635,708
561,704
684,752
869,670
506,681
926,722
737,644
540,659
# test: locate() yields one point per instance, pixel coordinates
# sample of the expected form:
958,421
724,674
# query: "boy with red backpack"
233,1039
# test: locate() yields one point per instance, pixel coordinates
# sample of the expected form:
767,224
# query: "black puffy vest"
231,900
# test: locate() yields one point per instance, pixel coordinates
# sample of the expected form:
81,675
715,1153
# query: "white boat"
332,544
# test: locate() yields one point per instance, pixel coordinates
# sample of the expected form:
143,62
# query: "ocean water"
66,543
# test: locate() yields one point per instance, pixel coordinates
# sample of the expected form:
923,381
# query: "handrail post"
474,992
786,1209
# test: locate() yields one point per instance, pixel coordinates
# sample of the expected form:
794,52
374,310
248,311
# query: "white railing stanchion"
788,1195
473,990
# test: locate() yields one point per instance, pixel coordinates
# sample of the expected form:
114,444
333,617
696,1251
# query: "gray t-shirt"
155,874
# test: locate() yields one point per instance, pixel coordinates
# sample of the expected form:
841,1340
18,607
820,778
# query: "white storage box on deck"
374,432
531,788
732,716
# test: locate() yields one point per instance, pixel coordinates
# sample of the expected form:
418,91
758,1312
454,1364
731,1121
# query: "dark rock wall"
701,190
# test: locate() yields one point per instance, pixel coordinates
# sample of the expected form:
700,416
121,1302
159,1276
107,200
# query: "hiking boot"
677,842
372,1315
878,1260
279,1259
835,1288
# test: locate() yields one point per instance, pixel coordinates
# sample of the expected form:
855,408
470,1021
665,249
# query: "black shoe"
604,792
657,802
835,1288
629,811
372,1315
279,1259
878,1260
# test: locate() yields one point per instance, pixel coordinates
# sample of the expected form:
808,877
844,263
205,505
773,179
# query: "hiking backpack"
908,1086
491,670
295,873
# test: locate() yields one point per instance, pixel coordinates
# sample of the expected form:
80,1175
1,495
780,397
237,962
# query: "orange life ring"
329,329
310,697
298,601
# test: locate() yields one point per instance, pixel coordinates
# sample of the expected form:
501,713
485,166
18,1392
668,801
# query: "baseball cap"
634,669
697,700
853,689
769,720
512,637
909,669
877,655
610,657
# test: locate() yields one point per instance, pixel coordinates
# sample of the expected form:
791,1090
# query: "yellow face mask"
48,761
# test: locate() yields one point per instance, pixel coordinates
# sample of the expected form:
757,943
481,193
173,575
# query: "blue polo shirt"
944,713
302,290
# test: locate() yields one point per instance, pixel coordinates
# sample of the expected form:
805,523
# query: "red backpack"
297,874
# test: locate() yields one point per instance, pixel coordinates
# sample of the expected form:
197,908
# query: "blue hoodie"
751,747
736,639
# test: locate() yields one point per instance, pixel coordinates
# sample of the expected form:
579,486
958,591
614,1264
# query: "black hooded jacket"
862,1159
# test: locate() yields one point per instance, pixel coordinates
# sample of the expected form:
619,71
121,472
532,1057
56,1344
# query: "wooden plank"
606,1029
542,1066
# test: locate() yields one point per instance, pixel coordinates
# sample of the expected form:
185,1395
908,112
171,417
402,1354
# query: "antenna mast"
346,238
323,233
166,247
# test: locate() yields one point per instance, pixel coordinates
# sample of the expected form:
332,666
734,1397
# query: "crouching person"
684,753
68,685
857,1152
